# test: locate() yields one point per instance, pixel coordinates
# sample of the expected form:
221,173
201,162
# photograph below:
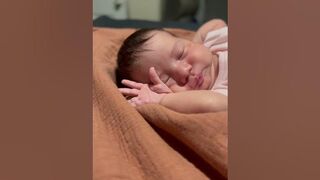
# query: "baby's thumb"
154,77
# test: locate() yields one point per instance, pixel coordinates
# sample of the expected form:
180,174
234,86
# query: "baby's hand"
141,92
158,86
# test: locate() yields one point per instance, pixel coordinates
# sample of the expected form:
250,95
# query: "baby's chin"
206,85
212,76
208,80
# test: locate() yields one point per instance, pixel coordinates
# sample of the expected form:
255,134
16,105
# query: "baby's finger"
132,84
128,91
153,88
154,77
156,87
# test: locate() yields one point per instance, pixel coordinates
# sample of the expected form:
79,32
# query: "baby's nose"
183,73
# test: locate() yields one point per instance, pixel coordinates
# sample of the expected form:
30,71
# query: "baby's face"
181,64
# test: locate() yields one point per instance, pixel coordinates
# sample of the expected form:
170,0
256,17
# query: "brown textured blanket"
150,142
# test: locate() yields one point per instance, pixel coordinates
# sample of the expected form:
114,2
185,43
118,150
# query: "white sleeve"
217,40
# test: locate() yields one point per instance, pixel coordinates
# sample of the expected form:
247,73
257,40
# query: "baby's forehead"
162,35
160,40
163,32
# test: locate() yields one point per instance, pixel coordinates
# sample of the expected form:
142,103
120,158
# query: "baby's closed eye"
181,53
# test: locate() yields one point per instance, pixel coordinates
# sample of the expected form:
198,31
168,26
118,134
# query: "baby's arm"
197,101
207,27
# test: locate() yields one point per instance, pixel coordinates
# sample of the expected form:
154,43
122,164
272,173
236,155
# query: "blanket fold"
205,133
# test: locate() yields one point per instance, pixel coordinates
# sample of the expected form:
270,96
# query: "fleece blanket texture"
151,141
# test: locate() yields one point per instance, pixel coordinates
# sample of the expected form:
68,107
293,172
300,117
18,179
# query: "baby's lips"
199,79
195,81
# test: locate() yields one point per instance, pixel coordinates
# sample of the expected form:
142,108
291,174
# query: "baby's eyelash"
181,54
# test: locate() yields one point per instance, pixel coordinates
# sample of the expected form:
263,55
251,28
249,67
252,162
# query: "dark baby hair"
129,52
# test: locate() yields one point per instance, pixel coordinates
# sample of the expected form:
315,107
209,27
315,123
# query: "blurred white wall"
128,9
145,9
117,9
161,10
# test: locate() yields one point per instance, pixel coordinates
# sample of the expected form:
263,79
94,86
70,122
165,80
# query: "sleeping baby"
186,76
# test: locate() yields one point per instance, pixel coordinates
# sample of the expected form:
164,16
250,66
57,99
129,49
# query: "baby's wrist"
161,98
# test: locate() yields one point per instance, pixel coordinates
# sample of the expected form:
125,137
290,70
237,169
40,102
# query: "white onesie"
217,42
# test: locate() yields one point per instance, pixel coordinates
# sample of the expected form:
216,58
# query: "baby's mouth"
196,81
199,80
